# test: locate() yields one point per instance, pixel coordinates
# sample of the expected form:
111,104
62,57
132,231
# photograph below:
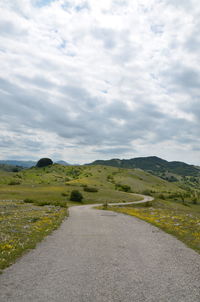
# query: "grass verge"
23,225
182,222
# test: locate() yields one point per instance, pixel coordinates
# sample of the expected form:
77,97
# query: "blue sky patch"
41,3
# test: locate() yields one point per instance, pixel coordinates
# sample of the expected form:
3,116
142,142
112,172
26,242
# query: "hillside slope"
153,164
54,183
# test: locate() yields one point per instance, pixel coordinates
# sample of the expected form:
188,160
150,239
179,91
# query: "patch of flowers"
184,226
23,225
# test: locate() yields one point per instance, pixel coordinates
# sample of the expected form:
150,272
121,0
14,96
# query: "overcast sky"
86,80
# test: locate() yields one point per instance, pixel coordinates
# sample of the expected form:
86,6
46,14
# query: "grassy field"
34,201
53,184
182,221
23,225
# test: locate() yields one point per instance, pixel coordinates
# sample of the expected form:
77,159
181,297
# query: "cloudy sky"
86,79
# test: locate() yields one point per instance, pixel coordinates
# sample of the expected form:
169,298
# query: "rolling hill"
25,164
54,183
20,163
152,164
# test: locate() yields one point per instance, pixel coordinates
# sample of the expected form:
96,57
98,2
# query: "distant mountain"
10,168
25,164
62,162
152,164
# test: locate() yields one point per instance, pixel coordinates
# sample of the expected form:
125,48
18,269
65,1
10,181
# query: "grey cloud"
196,148
116,41
183,4
21,142
38,81
119,3
174,129
80,95
181,78
107,36
6,142
188,78
193,41
194,108
9,28
157,28
117,150
96,128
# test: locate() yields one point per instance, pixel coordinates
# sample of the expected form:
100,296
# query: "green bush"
44,162
110,178
194,201
148,204
14,182
76,196
90,189
161,196
28,200
146,192
64,194
62,204
124,188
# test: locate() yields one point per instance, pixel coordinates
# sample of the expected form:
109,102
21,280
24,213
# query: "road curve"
101,256
144,200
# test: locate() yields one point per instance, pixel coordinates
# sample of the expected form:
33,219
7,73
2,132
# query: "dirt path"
100,256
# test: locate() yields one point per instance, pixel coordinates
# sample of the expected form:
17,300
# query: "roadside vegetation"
23,225
176,218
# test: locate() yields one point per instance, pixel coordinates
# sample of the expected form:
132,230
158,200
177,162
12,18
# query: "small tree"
44,162
76,196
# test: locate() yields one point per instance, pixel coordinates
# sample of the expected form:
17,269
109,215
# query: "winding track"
99,256
144,200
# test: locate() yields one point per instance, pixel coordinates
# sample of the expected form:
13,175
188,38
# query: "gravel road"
100,256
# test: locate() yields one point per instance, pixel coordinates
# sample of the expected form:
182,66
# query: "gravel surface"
100,256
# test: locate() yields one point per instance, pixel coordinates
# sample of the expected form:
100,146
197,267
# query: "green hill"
21,163
53,184
10,168
152,164
23,193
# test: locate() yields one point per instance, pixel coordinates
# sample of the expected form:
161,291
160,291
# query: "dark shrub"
124,188
90,189
44,162
146,192
76,196
14,182
16,169
28,200
194,200
64,194
161,196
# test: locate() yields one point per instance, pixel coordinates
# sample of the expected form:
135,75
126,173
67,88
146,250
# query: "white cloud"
72,69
